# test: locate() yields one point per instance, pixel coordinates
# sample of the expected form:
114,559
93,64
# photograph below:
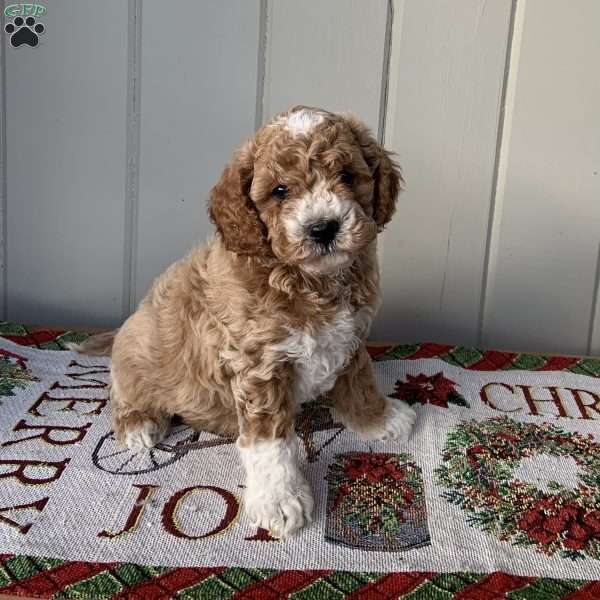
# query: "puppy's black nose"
323,232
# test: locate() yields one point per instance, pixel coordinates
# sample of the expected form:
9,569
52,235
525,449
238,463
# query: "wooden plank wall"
329,54
442,120
198,102
107,153
65,167
542,283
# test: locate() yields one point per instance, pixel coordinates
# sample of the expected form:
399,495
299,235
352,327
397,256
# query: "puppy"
272,313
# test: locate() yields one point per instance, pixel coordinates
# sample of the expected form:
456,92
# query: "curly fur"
232,337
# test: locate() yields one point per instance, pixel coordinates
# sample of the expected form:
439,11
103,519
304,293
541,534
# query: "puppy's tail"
97,345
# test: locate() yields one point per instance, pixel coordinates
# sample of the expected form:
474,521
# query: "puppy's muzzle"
323,232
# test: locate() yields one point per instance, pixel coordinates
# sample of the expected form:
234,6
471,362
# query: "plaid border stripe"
392,585
279,585
167,585
44,339
443,586
493,587
44,578
47,582
462,356
474,359
590,591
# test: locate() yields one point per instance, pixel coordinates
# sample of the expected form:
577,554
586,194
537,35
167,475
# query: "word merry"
33,472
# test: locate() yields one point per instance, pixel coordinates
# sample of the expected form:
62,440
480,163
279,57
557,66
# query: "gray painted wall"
112,132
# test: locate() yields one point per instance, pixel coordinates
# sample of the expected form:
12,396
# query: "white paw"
397,424
145,437
282,511
277,496
73,347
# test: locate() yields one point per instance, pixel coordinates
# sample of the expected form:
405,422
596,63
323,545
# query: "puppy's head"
311,188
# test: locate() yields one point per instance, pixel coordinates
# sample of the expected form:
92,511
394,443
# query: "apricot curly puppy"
274,312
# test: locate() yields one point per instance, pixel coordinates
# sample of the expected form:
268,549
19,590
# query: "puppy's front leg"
362,408
277,496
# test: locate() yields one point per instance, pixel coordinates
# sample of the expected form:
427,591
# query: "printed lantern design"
428,389
376,502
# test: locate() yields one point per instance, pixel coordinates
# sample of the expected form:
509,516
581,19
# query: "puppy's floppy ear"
386,173
231,209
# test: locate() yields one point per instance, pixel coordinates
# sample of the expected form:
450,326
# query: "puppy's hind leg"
138,427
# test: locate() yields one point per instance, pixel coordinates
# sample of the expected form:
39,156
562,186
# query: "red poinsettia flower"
407,495
342,491
474,452
362,464
503,447
577,537
532,522
373,468
546,522
394,471
436,389
592,520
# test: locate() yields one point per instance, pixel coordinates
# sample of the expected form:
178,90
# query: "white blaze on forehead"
302,122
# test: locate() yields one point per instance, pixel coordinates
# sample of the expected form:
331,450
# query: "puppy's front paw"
282,510
397,423
143,437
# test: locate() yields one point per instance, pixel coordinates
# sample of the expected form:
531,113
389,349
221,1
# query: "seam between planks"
3,162
594,310
262,63
511,66
132,156
385,71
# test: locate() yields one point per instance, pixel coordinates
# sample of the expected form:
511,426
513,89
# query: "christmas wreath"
479,462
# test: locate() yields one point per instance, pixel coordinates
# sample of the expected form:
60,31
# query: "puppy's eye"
281,192
346,177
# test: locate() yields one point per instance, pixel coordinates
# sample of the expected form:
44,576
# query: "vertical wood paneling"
3,205
65,135
542,285
445,91
593,346
113,131
134,74
328,54
198,103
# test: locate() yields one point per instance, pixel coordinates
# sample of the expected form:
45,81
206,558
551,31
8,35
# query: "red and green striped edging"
488,360
44,339
50,578
460,356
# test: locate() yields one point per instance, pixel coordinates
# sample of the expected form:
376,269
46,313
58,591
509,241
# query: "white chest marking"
318,359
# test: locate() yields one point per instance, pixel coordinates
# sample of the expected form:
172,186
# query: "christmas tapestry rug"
496,494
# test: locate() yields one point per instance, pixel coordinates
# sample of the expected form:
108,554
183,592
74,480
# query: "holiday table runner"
496,494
